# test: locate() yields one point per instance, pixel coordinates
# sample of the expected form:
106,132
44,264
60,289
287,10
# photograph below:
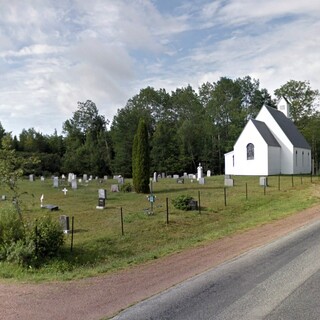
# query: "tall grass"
100,247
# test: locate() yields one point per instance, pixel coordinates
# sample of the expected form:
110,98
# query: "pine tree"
141,159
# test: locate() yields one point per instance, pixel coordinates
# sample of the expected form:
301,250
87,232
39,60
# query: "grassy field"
99,245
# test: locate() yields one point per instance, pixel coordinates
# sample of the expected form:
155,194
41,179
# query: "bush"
11,227
182,202
30,245
126,187
47,236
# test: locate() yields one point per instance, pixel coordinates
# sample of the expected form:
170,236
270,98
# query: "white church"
270,145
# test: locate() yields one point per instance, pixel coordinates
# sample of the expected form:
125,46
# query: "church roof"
290,130
265,133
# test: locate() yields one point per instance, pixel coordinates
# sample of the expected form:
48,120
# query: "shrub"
47,236
126,187
11,227
182,202
22,253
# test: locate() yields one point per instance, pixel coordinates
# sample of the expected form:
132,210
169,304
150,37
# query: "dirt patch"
104,296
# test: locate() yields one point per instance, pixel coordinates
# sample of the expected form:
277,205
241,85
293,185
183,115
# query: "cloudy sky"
56,53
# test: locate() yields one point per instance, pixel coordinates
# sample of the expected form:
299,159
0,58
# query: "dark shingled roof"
265,133
290,130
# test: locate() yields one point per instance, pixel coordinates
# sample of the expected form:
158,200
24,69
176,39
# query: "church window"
296,157
250,151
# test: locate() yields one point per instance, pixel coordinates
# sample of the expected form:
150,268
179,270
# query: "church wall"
256,166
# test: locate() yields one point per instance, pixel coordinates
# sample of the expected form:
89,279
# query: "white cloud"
106,51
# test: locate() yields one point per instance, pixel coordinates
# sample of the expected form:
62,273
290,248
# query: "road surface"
280,280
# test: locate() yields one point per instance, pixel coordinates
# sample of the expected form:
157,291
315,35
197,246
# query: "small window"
233,161
250,151
296,157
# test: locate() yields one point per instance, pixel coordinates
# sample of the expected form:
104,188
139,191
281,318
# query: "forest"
185,127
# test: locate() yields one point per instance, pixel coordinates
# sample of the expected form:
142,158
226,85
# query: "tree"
87,142
141,159
301,97
12,169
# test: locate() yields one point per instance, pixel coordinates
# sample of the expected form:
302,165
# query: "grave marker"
102,194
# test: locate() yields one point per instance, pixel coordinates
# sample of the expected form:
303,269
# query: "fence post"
121,215
167,208
36,233
279,183
225,196
72,231
292,180
199,206
246,191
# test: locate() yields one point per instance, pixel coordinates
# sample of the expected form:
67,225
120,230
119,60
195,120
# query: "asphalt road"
278,281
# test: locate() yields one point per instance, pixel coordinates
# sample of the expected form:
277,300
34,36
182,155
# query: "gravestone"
114,188
74,184
175,176
163,175
31,177
102,196
191,176
3,197
228,182
201,180
42,178
180,180
264,181
64,222
70,177
199,172
185,175
105,178
120,180
85,177
209,173
155,178
55,182
193,205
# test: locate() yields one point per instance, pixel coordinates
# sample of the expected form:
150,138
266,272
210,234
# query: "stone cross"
65,190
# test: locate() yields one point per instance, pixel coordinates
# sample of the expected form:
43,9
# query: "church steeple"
284,107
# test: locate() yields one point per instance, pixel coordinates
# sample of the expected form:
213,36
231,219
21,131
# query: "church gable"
269,144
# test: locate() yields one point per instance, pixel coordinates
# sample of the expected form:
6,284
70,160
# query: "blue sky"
56,53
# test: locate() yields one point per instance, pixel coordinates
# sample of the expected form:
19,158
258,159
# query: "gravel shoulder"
104,296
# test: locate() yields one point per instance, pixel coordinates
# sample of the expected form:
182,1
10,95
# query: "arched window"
250,151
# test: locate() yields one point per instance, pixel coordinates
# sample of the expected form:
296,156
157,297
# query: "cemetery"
111,229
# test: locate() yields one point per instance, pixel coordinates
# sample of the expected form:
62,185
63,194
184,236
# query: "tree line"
184,127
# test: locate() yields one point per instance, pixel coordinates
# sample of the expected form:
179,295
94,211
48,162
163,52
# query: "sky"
54,54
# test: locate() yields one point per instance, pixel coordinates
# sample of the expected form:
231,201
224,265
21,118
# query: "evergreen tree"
141,159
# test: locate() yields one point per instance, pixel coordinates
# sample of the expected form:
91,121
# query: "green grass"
100,247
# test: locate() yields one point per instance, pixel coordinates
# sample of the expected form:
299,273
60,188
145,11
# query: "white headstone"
199,172
209,173
201,180
228,182
155,177
114,188
31,177
55,182
74,184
